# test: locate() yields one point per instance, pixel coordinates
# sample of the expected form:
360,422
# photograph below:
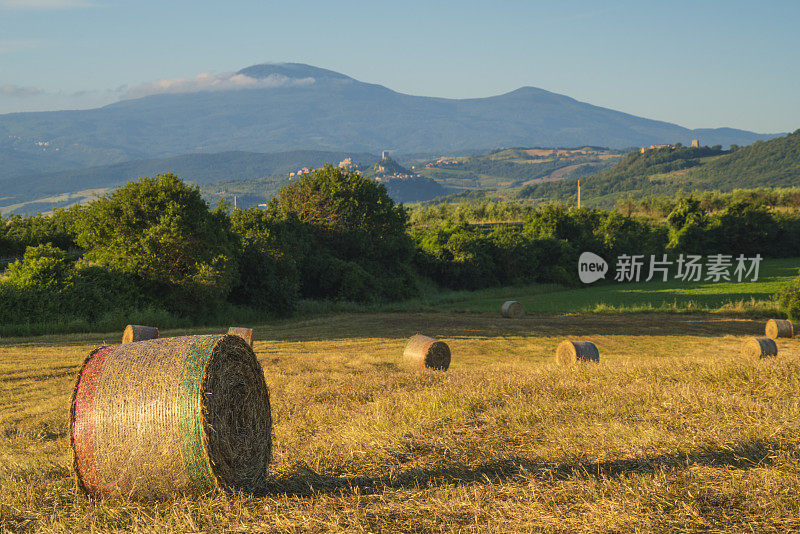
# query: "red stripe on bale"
83,430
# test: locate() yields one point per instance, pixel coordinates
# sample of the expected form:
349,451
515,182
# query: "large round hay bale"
427,352
759,347
244,333
173,415
137,332
779,328
569,352
512,309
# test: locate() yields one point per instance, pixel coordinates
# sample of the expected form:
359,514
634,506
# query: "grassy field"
670,432
742,299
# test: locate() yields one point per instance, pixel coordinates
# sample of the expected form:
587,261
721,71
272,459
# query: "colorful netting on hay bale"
183,414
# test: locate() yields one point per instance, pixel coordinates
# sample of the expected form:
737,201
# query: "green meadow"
745,299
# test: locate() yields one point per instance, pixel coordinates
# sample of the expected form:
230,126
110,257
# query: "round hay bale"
512,309
569,352
759,347
244,333
427,352
137,332
779,328
173,415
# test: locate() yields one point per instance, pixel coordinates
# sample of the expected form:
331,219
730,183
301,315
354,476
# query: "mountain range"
295,106
234,133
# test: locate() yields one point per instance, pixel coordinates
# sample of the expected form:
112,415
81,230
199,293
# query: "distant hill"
515,167
303,107
45,191
403,184
773,163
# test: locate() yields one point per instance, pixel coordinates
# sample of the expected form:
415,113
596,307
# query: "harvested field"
671,431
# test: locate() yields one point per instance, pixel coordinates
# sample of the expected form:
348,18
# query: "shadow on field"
403,325
745,455
468,325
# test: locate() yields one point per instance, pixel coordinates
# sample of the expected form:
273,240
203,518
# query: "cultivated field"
671,432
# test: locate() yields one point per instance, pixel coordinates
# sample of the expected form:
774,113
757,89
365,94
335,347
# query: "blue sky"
697,64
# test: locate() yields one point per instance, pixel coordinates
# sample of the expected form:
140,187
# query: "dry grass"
671,432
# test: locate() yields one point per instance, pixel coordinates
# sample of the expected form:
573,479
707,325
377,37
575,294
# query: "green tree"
160,231
343,201
359,249
688,227
789,299
44,267
271,248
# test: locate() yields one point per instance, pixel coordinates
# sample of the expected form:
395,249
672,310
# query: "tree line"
153,249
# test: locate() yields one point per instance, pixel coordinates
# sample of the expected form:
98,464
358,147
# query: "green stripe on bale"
196,462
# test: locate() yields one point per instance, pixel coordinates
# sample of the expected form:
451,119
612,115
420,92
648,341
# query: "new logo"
591,267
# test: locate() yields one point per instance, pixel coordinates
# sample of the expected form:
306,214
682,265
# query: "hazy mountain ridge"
333,113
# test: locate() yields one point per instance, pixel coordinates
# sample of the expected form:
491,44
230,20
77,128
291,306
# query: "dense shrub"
45,267
688,227
17,233
459,256
352,244
161,232
790,300
743,227
270,246
47,286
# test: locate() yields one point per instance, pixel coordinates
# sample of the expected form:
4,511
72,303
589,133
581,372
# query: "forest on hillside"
773,163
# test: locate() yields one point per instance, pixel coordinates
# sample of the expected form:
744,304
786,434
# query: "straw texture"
512,309
244,333
759,347
174,415
136,332
427,352
779,328
569,352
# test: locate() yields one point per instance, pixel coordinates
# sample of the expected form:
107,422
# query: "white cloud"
19,90
208,81
45,4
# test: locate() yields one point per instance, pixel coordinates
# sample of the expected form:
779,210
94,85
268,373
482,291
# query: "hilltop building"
348,164
654,147
442,162
695,143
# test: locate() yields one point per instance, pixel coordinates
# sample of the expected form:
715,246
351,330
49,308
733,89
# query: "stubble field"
671,432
